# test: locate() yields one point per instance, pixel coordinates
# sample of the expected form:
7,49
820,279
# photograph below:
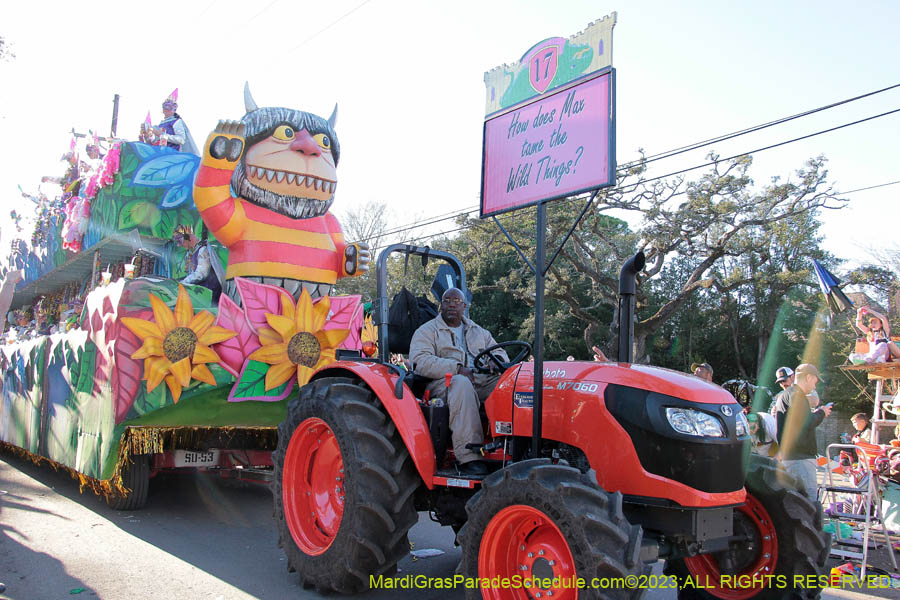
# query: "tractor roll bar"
382,302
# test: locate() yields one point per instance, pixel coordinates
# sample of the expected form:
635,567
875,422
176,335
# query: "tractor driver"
448,344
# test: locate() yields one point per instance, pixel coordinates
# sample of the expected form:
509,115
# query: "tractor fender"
404,412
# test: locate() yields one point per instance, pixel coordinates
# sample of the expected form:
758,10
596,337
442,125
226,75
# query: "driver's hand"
467,373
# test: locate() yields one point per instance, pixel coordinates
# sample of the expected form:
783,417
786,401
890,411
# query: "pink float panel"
555,146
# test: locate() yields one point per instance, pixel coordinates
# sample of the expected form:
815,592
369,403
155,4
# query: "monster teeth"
251,171
316,183
270,174
291,177
279,176
301,180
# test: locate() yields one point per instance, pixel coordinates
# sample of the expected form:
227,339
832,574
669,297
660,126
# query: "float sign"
558,139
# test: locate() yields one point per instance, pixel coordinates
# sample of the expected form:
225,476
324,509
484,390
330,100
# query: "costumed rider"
202,265
172,131
448,344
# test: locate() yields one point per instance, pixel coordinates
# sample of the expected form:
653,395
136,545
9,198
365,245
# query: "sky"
408,79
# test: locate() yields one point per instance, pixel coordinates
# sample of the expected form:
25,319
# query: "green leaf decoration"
85,380
153,216
129,163
149,401
134,214
164,227
252,383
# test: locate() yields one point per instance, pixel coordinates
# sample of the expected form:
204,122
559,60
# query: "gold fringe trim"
153,440
98,486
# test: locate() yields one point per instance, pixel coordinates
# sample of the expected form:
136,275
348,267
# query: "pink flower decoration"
259,299
346,313
234,352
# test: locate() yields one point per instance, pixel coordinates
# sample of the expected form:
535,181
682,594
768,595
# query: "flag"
147,119
838,302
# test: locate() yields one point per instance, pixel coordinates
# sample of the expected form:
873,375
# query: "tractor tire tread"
380,482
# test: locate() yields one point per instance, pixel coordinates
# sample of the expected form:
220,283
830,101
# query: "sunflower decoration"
295,342
176,347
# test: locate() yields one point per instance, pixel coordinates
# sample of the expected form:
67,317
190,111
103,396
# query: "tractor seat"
416,383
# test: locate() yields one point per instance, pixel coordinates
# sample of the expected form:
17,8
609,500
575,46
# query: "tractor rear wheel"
136,481
784,540
343,486
534,521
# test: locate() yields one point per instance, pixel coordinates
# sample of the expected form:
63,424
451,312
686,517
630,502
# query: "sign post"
549,133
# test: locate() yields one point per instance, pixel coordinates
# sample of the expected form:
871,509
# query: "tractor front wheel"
343,486
783,545
542,528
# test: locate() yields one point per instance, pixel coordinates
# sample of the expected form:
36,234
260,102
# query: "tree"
704,222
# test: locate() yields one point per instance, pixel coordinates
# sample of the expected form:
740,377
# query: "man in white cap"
797,423
784,376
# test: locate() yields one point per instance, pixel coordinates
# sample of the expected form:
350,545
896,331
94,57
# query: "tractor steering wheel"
485,356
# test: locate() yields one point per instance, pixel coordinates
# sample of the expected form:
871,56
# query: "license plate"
196,458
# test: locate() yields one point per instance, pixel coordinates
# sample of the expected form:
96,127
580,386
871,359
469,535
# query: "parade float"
140,373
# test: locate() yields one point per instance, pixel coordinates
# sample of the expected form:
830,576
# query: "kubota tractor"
635,464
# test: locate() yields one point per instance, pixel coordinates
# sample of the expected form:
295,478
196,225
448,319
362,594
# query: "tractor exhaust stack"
627,276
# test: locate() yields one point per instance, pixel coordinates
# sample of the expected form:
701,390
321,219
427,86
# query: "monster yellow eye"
284,133
323,140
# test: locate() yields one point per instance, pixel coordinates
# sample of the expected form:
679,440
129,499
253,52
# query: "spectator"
447,344
878,332
763,433
598,354
797,424
863,428
703,371
784,376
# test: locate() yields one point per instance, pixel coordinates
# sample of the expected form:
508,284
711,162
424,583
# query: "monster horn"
249,104
332,120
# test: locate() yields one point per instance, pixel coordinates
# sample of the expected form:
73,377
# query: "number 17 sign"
550,125
555,146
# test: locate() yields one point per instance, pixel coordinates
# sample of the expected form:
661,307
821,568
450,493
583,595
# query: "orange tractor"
635,464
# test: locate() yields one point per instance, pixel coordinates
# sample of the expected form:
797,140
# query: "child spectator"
878,334
863,428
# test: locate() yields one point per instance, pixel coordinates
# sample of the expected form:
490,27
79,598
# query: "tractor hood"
646,431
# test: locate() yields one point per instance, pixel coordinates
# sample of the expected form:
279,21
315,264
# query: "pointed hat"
172,100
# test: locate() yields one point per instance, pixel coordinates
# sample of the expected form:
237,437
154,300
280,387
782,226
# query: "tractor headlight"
694,422
742,425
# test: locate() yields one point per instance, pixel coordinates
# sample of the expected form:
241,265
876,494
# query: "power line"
510,216
683,149
871,187
700,166
762,126
327,27
769,147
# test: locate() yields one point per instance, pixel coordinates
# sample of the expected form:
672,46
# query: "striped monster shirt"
264,243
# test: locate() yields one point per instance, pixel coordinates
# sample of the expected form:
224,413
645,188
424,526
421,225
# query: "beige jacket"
433,350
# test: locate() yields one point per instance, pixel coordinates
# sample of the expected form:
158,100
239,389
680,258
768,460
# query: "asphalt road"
198,538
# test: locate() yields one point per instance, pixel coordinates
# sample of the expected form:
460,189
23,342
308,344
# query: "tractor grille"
712,465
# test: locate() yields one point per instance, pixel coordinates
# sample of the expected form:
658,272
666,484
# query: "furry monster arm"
220,211
354,258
